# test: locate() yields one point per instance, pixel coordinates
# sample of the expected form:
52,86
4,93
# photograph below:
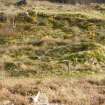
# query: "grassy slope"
58,39
54,39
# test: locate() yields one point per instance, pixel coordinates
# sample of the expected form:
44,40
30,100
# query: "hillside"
56,48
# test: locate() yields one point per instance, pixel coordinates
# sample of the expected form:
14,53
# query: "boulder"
21,2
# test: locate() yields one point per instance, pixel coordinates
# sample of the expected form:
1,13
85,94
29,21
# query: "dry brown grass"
59,90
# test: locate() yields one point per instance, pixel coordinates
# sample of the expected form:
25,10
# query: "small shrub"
3,40
3,17
24,17
10,66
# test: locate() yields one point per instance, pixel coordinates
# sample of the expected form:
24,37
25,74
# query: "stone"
21,2
39,99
